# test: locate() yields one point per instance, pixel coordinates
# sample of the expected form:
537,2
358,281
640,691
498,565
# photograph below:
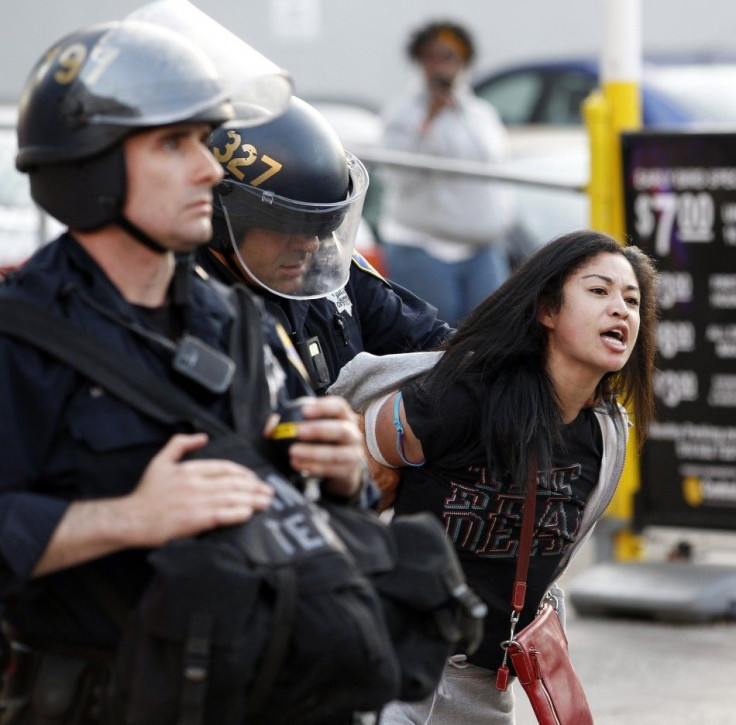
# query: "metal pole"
614,108
459,167
608,112
621,77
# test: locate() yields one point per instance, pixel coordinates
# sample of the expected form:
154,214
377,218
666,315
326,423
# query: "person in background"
445,236
113,130
532,383
286,219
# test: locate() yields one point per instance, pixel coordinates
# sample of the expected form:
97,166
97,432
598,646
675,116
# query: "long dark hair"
502,346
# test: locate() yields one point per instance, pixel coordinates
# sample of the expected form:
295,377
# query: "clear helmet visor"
167,62
298,250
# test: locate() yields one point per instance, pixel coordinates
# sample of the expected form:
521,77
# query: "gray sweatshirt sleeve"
368,376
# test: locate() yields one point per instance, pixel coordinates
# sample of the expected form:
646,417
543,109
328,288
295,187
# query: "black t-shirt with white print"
482,515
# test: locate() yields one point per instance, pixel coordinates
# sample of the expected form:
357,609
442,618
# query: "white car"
540,103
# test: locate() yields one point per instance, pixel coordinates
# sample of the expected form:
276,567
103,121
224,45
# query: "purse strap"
518,591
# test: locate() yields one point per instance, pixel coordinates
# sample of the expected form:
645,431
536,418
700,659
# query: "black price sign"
680,202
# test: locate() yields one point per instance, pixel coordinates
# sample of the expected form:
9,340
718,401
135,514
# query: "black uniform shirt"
63,438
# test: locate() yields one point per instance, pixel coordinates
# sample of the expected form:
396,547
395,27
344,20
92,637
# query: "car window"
565,94
514,96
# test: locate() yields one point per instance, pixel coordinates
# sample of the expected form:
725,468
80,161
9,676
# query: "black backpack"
307,613
270,621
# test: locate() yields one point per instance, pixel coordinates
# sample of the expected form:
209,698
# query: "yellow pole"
623,99
615,108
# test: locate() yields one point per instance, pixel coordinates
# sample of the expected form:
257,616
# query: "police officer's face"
277,260
170,174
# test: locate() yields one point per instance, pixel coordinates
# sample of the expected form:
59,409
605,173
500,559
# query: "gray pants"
466,695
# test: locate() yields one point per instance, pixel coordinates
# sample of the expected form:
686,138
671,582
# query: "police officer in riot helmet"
112,131
286,218
293,198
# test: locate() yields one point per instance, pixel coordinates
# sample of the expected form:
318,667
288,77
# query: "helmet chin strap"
139,235
180,283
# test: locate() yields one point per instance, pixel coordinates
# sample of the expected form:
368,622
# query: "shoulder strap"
115,373
250,390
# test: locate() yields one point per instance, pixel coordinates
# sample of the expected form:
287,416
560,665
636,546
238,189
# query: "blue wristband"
400,433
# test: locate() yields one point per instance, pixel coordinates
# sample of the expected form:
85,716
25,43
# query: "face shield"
168,62
257,88
298,250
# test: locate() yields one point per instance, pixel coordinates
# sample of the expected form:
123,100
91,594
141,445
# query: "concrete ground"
648,672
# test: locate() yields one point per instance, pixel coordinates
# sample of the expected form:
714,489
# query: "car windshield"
707,92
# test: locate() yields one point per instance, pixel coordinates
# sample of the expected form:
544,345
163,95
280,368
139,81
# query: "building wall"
355,48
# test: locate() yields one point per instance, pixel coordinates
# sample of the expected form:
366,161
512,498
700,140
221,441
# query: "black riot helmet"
290,175
86,95
100,84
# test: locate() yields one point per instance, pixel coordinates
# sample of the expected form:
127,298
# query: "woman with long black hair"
532,382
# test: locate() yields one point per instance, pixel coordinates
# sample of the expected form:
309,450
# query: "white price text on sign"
691,214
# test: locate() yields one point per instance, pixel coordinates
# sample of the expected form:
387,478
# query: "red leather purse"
539,653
